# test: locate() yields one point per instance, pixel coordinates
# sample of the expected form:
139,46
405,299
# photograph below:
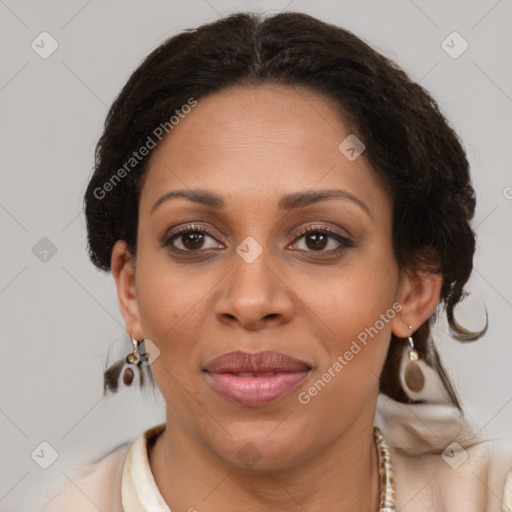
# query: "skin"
253,145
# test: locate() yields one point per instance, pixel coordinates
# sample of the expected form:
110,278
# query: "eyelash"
324,230
193,228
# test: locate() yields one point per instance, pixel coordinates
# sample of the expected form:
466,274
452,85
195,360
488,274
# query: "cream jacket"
439,465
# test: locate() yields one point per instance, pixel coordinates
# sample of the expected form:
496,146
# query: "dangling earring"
133,360
413,376
419,381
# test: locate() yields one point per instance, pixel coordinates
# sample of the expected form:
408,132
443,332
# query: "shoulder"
469,478
95,486
443,462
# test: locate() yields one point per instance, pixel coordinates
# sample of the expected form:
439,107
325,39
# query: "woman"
284,212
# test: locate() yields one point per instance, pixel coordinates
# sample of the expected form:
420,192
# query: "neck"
343,477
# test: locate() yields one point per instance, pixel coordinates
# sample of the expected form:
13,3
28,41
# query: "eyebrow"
287,203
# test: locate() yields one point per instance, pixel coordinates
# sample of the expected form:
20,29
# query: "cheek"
169,308
169,304
357,308
354,348
356,296
362,306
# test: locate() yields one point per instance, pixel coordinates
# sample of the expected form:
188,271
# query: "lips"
258,363
255,379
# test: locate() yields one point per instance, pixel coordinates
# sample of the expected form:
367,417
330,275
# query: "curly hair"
409,143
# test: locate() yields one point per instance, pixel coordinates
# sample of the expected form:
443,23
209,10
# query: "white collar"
138,487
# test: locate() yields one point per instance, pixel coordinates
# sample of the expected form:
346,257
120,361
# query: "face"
263,260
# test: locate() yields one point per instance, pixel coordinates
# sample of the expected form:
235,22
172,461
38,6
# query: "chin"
261,447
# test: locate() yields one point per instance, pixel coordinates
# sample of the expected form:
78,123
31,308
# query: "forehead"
253,143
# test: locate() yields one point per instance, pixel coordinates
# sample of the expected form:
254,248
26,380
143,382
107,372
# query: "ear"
419,294
123,269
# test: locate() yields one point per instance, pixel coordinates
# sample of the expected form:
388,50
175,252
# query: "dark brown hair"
409,143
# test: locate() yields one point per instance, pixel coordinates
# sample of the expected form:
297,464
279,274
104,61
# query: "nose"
254,295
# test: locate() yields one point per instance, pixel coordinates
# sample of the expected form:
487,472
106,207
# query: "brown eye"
190,239
316,241
322,239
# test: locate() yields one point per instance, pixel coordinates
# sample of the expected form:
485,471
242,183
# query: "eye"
319,238
193,238
190,238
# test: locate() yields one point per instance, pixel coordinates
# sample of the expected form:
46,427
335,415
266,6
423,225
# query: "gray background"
60,317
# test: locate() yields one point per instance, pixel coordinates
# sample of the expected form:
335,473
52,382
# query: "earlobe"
419,294
123,271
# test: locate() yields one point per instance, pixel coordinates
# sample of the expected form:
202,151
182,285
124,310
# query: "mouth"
255,379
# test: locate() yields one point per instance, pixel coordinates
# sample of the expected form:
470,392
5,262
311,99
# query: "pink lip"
255,379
